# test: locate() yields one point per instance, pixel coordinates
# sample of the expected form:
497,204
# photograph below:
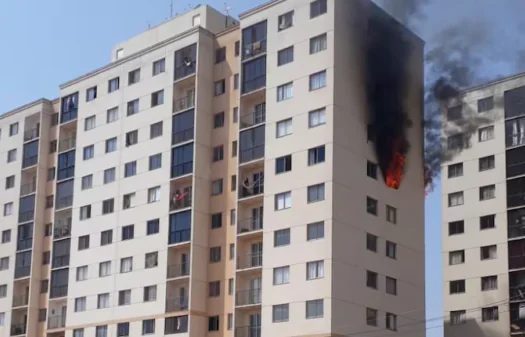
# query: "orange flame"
395,171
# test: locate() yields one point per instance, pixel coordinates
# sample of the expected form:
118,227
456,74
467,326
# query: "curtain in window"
318,44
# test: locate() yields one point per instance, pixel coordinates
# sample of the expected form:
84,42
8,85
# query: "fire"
395,171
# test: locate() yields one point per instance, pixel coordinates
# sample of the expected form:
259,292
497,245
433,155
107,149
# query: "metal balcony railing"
184,103
31,134
67,144
56,322
26,216
181,199
250,261
253,118
248,331
182,136
64,202
61,261
178,270
20,300
256,189
254,49
252,153
177,304
18,329
58,291
249,225
254,84
248,297
28,188
29,161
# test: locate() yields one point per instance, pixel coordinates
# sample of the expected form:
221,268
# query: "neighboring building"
212,180
483,211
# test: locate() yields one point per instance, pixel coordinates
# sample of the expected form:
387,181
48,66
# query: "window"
48,229
51,174
391,321
455,170
45,258
80,304
234,149
230,321
285,56
220,55
214,289
8,209
315,193
118,55
49,201
83,242
4,263
126,265
457,287
314,270
82,273
3,290
132,138
11,156
371,242
128,232
108,206
6,236
123,329
280,313
283,200
157,98
90,123
284,128
130,169
371,206
318,80
281,237
237,48
152,227
284,91
318,43
489,283
111,145
317,7
486,133
159,67
316,117
53,146
216,220
89,152
78,333
233,216
489,314
91,94
13,129
148,326
455,199
102,302
104,269
218,153
102,330
458,317
155,130
232,251
314,309
216,187
489,252
213,323
454,113
134,76
133,107
391,214
236,80
215,254
113,84
235,115
456,227
9,182
109,175
281,275
371,170
487,192
218,120
487,163
283,164
196,20
486,104
315,231
371,317
106,237
487,222
154,194
155,161
42,314
371,279
456,257
124,297
230,286
220,87
316,155
128,200
87,182
112,115
285,21
391,286
151,260
456,142
44,286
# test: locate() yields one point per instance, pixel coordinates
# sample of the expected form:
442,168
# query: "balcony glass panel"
177,304
516,223
59,283
514,102
251,145
182,160
248,297
23,264
516,254
185,61
30,154
66,165
24,237
64,194
26,211
183,127
254,40
515,132
61,253
248,331
254,75
32,133
173,325
180,227
69,108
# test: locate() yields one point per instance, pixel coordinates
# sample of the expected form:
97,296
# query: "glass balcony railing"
185,70
254,49
182,136
258,116
56,322
29,161
67,144
254,84
26,189
69,115
181,199
24,244
26,216
31,134
250,261
177,304
249,225
178,270
58,291
250,191
248,331
21,272
179,236
248,297
62,231
184,103
181,169
61,261
18,329
20,300
64,202
252,153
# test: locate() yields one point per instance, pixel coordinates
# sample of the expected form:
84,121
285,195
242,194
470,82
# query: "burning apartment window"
487,222
456,142
371,170
455,199
455,113
489,252
456,257
455,170
371,206
371,242
457,287
113,84
391,214
489,314
487,192
456,227
486,104
487,163
489,283
486,133
458,317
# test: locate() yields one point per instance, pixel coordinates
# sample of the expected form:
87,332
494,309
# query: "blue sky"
45,43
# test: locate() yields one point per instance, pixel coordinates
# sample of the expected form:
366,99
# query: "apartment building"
483,213
216,178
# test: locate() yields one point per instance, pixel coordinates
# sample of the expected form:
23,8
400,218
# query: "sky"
46,43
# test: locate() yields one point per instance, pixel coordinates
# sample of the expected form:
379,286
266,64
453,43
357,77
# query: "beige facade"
215,179
483,245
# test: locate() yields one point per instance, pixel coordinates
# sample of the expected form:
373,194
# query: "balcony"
26,216
181,198
62,230
254,49
249,225
67,144
31,134
248,297
178,270
24,243
58,291
29,161
21,272
64,202
61,261
177,304
27,189
20,300
256,117
252,188
187,68
184,103
18,329
253,260
179,236
248,331
69,115
56,322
